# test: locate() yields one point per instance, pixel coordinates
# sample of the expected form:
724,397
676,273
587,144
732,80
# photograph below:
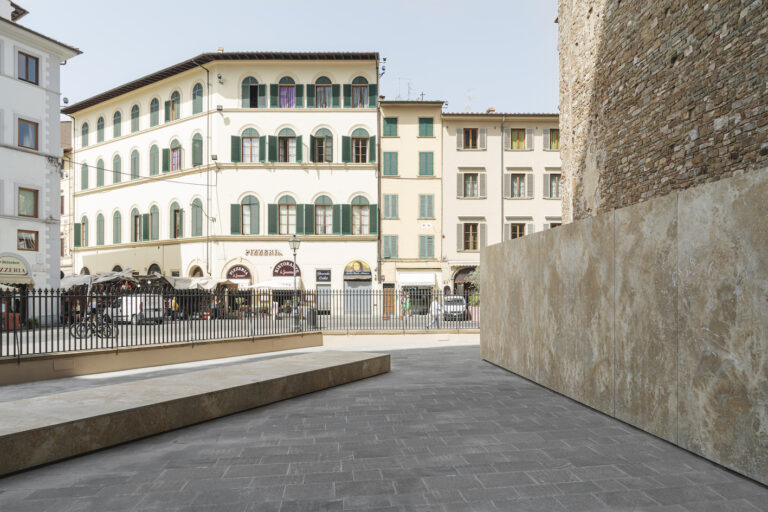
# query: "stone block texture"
656,314
659,96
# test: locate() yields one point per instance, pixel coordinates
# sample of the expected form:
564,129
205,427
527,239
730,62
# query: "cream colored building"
411,192
65,199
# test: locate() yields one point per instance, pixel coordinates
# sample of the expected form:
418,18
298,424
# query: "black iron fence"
47,321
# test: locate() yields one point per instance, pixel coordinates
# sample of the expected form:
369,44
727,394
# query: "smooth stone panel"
723,311
646,316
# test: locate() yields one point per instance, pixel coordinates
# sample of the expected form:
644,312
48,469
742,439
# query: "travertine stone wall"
656,314
657,96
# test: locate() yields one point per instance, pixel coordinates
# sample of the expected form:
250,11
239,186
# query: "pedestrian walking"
435,309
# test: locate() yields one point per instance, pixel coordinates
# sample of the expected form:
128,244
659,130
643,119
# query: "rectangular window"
323,96
470,184
360,213
390,127
426,246
471,236
359,150
426,206
425,126
389,246
554,139
517,138
27,240
555,186
323,219
470,138
517,189
253,96
176,224
27,134
28,68
27,202
287,96
250,149
286,149
136,228
319,149
426,163
390,163
359,96
390,206
287,219
175,159
516,231
62,205
174,110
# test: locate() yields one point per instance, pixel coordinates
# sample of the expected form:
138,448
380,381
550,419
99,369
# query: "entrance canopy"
416,279
278,283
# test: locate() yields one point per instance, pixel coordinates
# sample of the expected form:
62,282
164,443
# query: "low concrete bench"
48,428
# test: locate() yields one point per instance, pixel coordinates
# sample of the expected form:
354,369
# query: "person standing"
435,309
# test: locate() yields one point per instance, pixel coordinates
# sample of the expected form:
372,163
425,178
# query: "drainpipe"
378,175
503,118
208,171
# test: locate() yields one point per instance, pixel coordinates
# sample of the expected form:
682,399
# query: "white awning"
278,283
416,278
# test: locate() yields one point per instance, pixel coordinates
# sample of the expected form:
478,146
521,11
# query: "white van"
137,309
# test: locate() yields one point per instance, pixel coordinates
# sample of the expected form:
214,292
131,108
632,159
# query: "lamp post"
294,243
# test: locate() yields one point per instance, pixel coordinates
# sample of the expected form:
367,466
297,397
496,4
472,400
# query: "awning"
278,283
4,288
416,278
17,280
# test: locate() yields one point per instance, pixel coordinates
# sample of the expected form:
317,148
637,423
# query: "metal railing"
48,321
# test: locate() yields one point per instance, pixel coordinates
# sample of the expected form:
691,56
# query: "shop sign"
285,269
323,276
357,270
12,266
263,252
239,272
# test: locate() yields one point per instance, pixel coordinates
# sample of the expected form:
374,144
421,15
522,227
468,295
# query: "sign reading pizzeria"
12,266
285,269
239,272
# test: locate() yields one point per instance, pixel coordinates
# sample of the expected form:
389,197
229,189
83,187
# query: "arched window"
197,98
249,146
134,119
288,146
100,130
84,135
196,272
359,92
100,173
84,230
249,208
154,268
154,223
84,177
323,215
323,96
322,145
117,121
154,160
360,216
117,268
197,150
135,226
154,112
175,156
360,146
287,213
249,90
85,272
117,228
99,229
117,169
197,217
177,221
134,164
175,106
287,92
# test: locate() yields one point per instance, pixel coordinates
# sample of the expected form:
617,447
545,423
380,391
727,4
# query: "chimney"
490,110
221,49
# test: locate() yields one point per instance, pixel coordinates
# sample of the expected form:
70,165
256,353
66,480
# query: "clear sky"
473,53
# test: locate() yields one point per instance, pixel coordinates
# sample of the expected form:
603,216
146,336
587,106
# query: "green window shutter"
346,149
299,219
310,95
272,148
272,219
372,149
426,163
299,149
390,127
373,219
347,95
166,160
236,148
181,222
78,234
273,95
335,95
373,95
167,111
329,148
234,219
255,219
262,95
197,152
337,219
145,227
262,148
309,219
155,231
245,94
425,127
431,163
346,219
312,155
299,95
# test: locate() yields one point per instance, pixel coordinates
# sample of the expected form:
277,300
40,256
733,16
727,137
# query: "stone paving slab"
51,427
443,431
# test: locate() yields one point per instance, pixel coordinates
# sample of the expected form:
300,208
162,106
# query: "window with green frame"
389,246
390,206
154,112
390,127
426,163
390,163
426,206
426,246
425,127
135,119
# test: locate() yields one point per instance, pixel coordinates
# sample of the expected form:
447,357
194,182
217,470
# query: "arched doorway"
196,272
117,268
85,272
462,282
154,268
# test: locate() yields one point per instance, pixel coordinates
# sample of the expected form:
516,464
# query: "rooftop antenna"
422,95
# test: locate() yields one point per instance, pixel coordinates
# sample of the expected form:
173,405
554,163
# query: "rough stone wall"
659,95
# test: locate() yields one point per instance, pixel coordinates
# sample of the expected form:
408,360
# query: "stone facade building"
658,96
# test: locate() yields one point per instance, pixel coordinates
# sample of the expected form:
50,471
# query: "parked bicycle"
100,324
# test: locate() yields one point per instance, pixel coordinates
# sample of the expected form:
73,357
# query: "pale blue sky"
473,53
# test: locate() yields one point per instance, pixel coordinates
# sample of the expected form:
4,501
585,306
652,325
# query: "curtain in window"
360,219
323,219
287,96
250,149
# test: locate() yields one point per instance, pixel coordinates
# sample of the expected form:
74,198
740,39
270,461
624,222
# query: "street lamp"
294,243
